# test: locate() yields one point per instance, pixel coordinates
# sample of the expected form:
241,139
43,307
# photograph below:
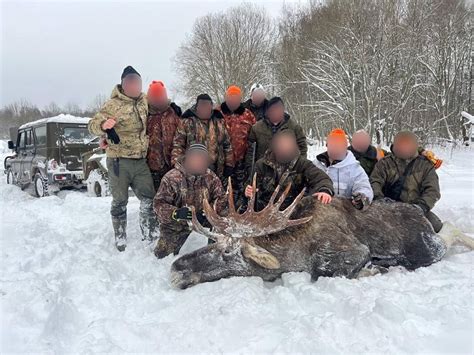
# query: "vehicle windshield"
77,135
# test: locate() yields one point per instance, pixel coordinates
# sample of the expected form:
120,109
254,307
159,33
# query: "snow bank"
62,118
64,288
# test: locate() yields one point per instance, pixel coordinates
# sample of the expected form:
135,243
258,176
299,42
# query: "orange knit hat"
157,90
337,134
233,90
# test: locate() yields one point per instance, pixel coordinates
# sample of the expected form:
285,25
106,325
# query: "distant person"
204,125
182,187
407,176
276,120
346,173
257,103
365,153
123,118
238,121
163,119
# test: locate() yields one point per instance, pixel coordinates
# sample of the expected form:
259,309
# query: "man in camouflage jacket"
204,125
238,121
123,120
163,119
182,187
421,186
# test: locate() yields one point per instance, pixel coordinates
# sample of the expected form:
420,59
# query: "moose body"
329,240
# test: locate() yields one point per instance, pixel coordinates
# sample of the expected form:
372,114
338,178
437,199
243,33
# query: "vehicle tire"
10,177
41,185
97,184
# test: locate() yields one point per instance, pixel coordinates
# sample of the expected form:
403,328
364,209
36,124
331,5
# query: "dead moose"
323,240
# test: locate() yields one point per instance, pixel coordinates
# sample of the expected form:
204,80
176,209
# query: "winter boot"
120,231
148,221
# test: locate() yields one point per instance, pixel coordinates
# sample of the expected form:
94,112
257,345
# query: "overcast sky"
66,51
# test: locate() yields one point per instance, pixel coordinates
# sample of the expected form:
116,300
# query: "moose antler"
249,223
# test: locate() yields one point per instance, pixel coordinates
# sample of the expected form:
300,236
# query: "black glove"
228,171
201,217
183,213
112,135
360,201
421,207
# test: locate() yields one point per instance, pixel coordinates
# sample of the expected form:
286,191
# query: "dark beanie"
197,147
129,70
204,97
274,100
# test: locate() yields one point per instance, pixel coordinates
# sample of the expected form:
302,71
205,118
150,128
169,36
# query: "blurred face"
285,148
196,163
361,141
337,148
204,109
132,85
258,96
160,102
233,101
405,147
276,113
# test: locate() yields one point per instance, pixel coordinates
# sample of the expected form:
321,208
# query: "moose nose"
181,278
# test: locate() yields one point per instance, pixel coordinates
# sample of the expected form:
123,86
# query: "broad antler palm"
249,223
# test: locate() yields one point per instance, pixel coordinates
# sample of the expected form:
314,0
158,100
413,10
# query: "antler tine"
274,195
230,197
289,210
297,222
283,196
251,203
218,223
200,229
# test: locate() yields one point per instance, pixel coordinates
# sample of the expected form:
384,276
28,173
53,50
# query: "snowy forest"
378,65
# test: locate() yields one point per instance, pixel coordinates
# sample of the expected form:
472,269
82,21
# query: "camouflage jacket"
367,160
238,124
262,133
421,186
179,189
131,116
300,173
212,133
161,127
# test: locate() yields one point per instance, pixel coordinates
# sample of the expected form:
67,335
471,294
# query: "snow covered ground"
64,288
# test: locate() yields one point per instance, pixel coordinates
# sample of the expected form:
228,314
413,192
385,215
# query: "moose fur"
339,240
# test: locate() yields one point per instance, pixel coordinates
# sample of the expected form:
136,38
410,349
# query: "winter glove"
183,213
201,217
228,171
112,135
360,201
421,207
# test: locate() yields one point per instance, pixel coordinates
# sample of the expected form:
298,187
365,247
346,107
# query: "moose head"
235,252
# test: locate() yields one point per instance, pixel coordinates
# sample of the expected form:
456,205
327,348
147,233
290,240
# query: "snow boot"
148,221
120,231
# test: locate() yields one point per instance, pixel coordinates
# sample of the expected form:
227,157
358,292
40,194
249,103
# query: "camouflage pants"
172,238
157,176
133,173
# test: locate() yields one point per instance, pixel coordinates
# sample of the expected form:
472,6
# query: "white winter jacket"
347,176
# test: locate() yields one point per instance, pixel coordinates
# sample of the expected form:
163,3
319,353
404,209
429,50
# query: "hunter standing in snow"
123,120
163,119
346,173
186,185
275,120
257,102
283,164
408,176
204,125
238,121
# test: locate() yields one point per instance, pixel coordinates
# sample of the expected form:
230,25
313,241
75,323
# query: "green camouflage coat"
421,186
131,116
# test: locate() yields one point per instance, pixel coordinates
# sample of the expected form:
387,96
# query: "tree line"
379,65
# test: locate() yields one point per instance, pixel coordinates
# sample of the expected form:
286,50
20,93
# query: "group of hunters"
173,159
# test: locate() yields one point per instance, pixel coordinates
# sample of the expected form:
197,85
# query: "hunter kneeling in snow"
408,176
283,164
348,176
186,185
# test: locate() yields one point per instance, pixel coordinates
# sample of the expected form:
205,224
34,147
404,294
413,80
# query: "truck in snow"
47,154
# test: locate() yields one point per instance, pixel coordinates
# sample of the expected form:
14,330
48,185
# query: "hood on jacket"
226,110
338,164
191,112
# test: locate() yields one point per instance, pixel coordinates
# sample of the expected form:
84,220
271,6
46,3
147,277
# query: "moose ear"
260,256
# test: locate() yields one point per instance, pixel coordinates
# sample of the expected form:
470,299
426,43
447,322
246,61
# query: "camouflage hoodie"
212,133
238,124
161,127
131,116
179,189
